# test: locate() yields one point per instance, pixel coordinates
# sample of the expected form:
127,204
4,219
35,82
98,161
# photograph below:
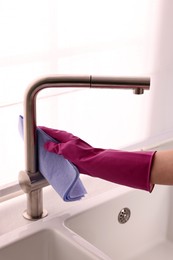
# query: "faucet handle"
31,181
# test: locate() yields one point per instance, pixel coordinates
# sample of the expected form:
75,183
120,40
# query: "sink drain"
124,215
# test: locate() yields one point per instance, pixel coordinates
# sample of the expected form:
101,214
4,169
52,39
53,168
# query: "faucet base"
34,210
27,216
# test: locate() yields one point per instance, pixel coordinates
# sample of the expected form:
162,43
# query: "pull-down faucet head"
30,180
137,84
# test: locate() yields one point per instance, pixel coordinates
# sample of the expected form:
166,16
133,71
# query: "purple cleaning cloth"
62,175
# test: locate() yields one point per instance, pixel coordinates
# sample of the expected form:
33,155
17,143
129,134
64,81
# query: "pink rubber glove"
126,168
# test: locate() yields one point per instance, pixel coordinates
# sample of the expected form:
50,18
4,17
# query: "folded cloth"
132,169
59,172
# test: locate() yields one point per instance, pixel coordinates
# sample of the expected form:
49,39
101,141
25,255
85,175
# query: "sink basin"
43,245
118,223
129,224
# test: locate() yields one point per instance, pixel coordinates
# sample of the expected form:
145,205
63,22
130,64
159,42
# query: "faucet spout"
30,180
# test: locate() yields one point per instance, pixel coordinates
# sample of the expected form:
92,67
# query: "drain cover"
124,215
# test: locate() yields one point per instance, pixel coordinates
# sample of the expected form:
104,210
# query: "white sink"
43,245
46,239
89,229
148,234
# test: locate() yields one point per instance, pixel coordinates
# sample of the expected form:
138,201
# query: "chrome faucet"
30,180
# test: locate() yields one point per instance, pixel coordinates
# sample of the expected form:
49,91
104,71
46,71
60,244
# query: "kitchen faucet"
31,180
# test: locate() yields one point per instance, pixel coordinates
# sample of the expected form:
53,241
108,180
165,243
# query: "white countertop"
12,209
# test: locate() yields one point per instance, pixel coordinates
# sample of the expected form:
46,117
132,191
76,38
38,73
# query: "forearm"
140,170
162,168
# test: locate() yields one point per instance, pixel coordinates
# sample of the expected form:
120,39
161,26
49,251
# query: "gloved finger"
61,136
52,147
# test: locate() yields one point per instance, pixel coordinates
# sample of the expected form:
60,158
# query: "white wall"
130,38
161,119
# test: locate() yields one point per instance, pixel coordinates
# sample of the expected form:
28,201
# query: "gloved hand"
127,168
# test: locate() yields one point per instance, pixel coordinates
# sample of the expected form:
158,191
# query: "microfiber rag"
62,175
